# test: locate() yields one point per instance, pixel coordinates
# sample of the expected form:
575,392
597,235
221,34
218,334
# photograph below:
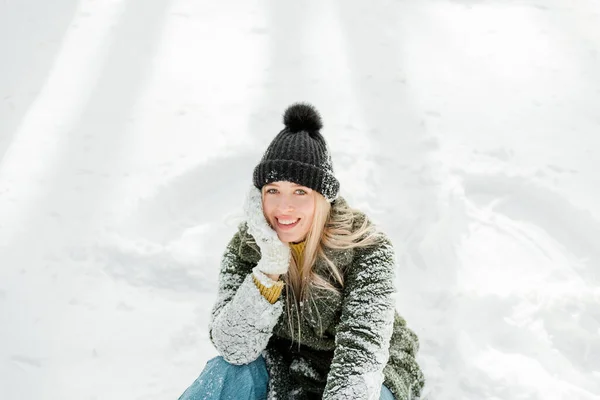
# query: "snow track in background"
34,151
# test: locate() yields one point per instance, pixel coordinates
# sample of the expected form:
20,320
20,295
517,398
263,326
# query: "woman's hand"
275,255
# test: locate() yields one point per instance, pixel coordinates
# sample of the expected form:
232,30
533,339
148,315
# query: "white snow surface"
469,130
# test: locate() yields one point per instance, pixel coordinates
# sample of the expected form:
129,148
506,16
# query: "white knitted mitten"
275,255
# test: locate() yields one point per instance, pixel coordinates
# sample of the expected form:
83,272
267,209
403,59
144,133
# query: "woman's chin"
289,237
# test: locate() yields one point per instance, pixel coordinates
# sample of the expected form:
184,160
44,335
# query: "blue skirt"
223,381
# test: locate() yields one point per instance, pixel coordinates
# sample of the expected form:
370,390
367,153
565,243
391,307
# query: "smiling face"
289,208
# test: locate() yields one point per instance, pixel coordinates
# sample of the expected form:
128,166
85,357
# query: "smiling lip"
286,227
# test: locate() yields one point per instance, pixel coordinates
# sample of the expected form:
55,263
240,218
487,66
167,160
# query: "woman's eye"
301,191
271,191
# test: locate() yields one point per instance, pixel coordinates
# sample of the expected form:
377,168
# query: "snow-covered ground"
469,130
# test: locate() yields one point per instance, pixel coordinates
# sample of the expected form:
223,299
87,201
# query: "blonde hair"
331,228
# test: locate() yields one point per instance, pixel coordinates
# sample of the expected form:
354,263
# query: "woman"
305,307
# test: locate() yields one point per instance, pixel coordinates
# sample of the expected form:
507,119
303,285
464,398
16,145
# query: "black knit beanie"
299,154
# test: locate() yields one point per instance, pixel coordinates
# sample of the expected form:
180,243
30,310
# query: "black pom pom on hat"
299,154
302,117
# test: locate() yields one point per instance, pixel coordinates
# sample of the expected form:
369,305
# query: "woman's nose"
285,204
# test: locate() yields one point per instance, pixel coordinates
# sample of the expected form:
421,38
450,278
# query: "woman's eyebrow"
277,185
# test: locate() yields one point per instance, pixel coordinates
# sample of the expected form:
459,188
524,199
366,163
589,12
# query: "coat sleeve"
403,370
363,334
242,319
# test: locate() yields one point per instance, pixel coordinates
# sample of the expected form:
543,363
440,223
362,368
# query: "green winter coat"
349,344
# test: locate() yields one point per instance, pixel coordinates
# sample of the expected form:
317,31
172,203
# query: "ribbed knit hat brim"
308,175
